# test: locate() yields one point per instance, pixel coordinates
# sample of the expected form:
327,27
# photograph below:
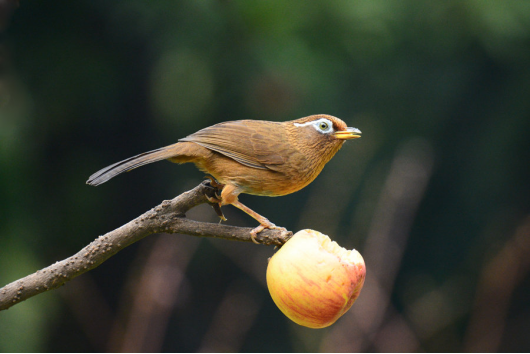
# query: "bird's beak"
349,133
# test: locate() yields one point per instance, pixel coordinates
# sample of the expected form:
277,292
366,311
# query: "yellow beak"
349,133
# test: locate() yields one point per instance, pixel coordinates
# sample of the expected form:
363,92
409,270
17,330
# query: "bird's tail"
131,163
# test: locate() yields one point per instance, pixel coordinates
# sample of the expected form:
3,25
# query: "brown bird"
251,156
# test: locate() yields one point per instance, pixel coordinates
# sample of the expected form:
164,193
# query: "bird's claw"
216,200
216,205
267,225
218,187
213,182
217,208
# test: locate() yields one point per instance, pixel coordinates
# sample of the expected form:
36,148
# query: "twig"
168,217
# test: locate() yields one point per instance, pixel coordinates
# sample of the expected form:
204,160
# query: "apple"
313,280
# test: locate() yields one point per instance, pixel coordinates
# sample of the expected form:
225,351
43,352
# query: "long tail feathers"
131,163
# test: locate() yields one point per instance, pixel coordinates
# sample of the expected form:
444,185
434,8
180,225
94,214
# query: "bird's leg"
264,223
229,196
216,200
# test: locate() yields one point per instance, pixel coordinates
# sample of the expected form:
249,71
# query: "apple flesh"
313,280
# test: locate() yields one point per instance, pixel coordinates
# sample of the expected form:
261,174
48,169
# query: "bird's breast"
296,170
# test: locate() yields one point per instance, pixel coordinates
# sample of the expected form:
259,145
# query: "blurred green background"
435,195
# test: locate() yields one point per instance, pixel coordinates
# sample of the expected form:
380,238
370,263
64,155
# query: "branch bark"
168,217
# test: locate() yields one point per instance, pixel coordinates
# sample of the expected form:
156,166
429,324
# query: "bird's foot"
265,224
216,205
214,183
216,200
217,208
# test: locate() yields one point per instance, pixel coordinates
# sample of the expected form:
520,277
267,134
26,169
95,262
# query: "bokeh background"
435,195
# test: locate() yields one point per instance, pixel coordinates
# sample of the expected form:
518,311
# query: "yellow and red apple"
313,280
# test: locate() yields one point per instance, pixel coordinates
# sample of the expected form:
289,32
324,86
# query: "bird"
256,157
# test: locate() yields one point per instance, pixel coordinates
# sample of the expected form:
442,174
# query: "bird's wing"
257,144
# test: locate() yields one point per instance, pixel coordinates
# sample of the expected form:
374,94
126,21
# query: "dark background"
435,195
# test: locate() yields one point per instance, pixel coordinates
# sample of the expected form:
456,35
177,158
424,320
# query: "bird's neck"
317,153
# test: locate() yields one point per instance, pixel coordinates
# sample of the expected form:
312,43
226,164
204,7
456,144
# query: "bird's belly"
249,180
263,183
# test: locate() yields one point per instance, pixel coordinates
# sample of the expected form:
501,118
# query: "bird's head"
322,134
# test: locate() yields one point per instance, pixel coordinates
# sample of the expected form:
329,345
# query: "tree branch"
168,217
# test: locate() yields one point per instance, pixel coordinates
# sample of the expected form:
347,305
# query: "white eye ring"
322,125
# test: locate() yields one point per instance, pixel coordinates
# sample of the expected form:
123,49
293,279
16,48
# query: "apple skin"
313,280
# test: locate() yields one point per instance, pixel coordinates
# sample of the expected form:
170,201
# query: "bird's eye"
324,126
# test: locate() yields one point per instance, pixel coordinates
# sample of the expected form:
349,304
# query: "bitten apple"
313,280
